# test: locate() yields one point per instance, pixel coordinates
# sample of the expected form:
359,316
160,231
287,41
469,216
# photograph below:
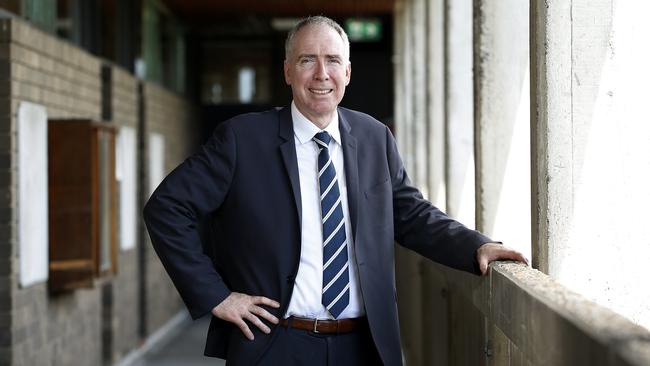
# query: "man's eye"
305,61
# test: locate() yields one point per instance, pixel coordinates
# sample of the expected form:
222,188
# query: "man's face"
318,71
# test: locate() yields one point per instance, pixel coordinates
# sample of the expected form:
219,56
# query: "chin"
324,106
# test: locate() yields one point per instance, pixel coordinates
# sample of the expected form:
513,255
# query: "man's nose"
321,71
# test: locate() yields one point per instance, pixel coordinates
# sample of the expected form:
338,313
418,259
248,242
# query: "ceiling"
203,10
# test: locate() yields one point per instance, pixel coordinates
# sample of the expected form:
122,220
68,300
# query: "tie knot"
322,139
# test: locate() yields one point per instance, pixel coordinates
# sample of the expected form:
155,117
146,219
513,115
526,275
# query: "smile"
321,91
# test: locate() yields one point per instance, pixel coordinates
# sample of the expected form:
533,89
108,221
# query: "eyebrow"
313,56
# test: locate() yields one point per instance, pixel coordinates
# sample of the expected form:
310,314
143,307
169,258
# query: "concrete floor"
185,348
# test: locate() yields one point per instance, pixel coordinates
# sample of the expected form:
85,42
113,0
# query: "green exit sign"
363,30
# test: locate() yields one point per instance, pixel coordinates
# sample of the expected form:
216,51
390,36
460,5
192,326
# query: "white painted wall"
156,160
33,234
126,174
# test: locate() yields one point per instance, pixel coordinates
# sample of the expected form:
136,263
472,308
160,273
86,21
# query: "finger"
265,301
258,323
483,265
244,328
264,314
521,258
515,255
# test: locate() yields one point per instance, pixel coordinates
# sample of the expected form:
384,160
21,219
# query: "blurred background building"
524,119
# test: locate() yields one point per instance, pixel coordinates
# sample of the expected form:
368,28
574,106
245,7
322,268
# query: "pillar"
459,111
502,119
591,154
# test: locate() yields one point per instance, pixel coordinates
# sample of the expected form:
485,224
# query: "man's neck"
319,121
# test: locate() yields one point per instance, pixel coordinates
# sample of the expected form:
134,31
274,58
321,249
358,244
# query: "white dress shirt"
308,287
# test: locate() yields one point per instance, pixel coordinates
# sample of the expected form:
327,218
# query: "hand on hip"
238,307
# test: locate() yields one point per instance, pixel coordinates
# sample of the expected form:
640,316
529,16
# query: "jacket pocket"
379,188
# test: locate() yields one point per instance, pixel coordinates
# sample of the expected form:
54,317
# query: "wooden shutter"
75,187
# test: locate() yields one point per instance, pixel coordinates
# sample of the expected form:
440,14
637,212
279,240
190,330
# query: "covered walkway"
182,345
524,119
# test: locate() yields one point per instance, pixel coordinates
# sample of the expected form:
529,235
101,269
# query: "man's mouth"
320,91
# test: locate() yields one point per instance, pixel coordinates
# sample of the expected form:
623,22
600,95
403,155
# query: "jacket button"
289,279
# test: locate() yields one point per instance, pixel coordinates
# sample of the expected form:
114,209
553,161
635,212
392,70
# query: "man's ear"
348,73
287,73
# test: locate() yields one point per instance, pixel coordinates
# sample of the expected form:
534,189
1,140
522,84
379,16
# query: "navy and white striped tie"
336,279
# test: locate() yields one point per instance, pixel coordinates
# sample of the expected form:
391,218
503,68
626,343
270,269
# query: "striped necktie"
336,279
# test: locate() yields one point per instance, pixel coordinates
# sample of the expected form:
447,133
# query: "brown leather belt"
325,326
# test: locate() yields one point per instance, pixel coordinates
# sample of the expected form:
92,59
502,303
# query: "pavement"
184,348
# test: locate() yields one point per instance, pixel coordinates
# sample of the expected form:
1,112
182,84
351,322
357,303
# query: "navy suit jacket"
246,179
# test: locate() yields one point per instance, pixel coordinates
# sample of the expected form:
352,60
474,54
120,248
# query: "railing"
530,319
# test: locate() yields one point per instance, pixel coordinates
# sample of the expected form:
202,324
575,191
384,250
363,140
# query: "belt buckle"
315,326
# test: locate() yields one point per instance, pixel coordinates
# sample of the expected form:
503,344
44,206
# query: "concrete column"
459,111
436,101
419,92
407,273
502,118
398,72
551,120
435,310
403,128
592,155
408,263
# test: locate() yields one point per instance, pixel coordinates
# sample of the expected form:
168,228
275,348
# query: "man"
307,202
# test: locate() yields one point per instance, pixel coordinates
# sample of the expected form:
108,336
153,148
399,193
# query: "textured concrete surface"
502,119
436,103
460,112
551,122
592,137
409,66
533,319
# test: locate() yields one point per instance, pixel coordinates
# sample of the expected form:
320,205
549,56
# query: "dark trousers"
301,347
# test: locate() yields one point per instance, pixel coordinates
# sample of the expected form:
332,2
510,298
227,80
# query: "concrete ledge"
549,324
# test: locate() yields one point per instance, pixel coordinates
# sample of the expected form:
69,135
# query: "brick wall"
90,326
124,302
163,112
67,82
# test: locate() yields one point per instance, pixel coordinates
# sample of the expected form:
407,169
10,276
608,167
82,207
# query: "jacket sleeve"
422,227
193,190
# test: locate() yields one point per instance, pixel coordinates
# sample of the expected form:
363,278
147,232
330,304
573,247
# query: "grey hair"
315,20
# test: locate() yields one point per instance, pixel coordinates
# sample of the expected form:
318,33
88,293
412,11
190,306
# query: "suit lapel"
288,151
351,169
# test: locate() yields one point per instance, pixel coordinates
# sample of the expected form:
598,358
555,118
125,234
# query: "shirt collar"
305,129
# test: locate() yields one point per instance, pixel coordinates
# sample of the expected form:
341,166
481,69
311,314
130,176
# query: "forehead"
319,39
